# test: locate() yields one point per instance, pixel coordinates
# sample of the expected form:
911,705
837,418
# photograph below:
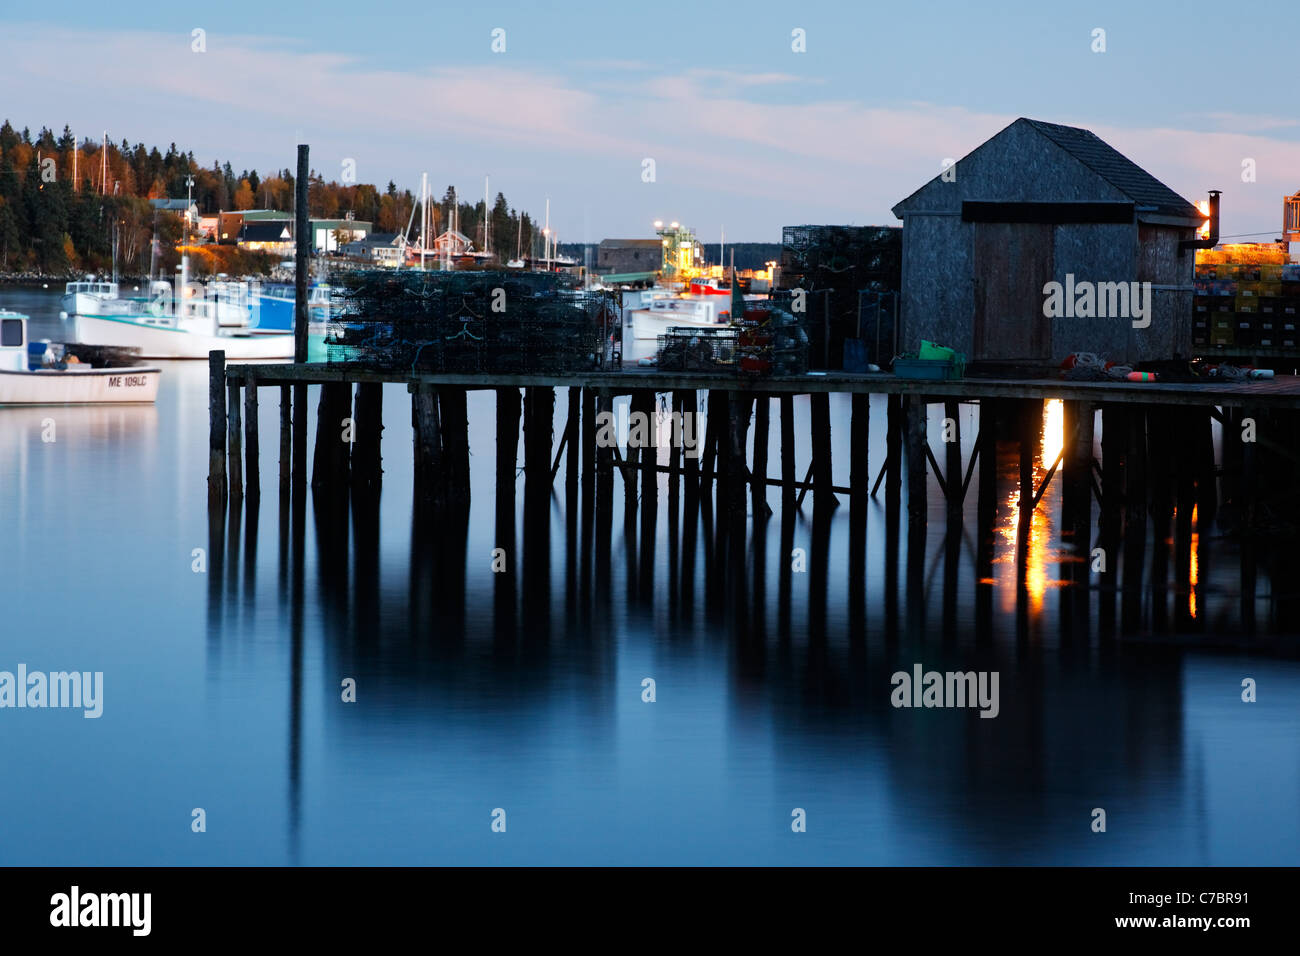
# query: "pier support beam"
234,439
758,476
788,477
252,451
952,463
915,418
453,417
572,431
821,455
429,477
739,409
286,439
333,449
216,427
368,424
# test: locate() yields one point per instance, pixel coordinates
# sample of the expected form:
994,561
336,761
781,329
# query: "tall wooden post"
299,476
859,469
429,469
894,456
691,415
302,256
914,418
216,427
788,477
233,439
952,463
454,419
758,478
286,438
574,444
368,422
252,452
823,485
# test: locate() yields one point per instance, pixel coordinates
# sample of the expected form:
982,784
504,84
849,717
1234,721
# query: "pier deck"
1280,392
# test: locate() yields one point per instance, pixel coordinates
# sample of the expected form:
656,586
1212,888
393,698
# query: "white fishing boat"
186,327
27,377
87,295
644,325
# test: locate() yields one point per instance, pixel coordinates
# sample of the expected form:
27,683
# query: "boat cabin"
106,290
13,341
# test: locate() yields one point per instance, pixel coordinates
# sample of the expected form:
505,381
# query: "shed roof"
1114,167
1085,148
631,243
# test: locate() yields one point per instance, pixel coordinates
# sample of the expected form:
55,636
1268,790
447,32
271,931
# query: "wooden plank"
216,427
1282,392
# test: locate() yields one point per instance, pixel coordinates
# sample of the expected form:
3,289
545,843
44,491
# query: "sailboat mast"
424,216
487,216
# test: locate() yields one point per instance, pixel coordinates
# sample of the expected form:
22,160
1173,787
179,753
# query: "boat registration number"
127,381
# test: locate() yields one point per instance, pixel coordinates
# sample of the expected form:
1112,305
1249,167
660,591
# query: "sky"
746,133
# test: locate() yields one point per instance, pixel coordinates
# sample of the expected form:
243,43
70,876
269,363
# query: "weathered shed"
1036,204
629,255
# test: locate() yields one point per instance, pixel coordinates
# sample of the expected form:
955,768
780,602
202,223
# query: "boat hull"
647,325
108,386
169,342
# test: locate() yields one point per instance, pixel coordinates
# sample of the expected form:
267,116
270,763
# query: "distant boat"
187,328
27,378
87,295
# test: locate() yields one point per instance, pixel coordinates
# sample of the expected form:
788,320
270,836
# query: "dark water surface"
478,691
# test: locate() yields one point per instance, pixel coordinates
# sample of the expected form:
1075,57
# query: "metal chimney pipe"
1212,240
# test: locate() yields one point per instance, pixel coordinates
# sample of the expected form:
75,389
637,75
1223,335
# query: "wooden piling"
788,476
286,438
739,409
507,441
894,456
915,417
453,417
758,482
952,463
691,456
216,427
368,424
588,438
821,454
331,458
299,467
233,439
252,451
427,433
302,256
573,430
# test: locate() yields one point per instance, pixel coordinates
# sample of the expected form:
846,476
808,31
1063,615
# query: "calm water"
478,691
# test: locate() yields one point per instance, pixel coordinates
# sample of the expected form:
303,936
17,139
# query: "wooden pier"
1157,461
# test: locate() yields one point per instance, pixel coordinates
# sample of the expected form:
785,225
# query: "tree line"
64,203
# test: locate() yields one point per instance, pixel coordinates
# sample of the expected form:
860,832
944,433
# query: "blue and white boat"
272,306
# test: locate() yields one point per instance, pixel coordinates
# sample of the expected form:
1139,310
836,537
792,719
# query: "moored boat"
27,377
87,295
186,327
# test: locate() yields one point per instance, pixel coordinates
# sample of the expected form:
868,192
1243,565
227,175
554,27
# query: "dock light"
674,225
659,223
1207,233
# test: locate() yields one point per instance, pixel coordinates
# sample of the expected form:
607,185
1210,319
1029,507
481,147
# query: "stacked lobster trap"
470,322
